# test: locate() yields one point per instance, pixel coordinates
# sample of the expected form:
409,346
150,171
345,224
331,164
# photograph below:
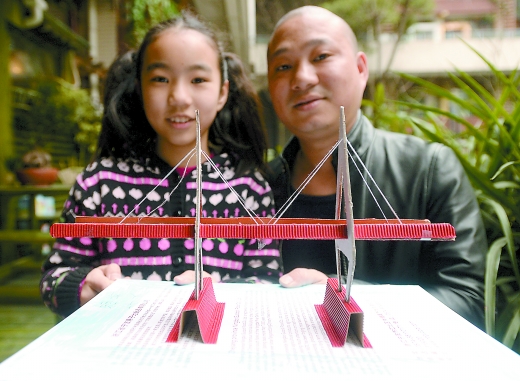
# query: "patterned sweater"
111,187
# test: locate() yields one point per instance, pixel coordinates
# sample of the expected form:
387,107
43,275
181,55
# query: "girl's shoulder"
236,175
108,173
123,166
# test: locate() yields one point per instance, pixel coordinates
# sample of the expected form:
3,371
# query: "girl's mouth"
180,121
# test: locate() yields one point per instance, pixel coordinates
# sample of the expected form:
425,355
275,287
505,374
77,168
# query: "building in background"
43,40
76,40
429,49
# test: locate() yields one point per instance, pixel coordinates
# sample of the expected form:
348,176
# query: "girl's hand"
188,277
302,277
97,280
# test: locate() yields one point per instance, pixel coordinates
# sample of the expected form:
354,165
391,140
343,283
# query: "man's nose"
305,76
179,95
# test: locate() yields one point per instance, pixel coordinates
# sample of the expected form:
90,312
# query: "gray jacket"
421,180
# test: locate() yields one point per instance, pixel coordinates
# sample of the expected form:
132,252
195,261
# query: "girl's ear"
223,96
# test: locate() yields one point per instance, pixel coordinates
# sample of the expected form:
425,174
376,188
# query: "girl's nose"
305,76
179,95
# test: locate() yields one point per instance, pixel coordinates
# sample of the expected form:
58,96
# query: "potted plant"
35,168
66,110
489,151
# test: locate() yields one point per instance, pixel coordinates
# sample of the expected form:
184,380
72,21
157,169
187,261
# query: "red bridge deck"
245,227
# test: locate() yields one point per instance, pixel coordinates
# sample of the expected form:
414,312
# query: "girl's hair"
237,128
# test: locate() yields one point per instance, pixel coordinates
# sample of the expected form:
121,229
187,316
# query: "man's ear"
362,65
223,96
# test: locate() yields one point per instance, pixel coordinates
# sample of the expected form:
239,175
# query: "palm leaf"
502,78
448,114
439,91
492,264
510,320
504,167
478,179
506,229
489,151
506,185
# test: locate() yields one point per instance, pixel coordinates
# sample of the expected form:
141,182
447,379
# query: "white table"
267,333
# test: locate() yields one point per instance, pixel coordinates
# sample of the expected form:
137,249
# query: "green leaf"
506,185
504,280
504,167
510,321
486,116
450,115
508,233
478,179
512,330
490,279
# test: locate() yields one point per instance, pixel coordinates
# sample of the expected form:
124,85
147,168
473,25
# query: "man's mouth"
305,102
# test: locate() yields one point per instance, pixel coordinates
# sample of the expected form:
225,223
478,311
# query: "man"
314,67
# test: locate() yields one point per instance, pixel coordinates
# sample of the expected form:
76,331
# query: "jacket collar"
361,134
360,137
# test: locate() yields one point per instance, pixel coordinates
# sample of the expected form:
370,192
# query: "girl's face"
180,74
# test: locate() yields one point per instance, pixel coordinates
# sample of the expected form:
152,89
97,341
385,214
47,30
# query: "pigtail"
238,127
124,124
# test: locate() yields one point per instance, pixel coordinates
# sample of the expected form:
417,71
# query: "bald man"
314,67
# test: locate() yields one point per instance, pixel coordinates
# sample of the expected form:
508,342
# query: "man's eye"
321,57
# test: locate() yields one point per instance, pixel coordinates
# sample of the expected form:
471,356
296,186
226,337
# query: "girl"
148,129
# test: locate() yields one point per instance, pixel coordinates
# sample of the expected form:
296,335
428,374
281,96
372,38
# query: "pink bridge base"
208,313
338,316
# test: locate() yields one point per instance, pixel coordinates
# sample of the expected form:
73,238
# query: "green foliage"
387,115
64,109
368,17
143,14
488,148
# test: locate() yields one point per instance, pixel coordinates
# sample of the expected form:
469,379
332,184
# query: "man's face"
312,71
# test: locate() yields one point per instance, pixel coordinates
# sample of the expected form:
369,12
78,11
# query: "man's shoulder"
276,166
399,137
283,162
276,174
408,145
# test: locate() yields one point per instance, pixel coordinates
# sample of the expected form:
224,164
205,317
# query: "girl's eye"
283,67
159,79
198,80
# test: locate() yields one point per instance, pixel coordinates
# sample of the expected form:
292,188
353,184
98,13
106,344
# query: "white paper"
267,331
